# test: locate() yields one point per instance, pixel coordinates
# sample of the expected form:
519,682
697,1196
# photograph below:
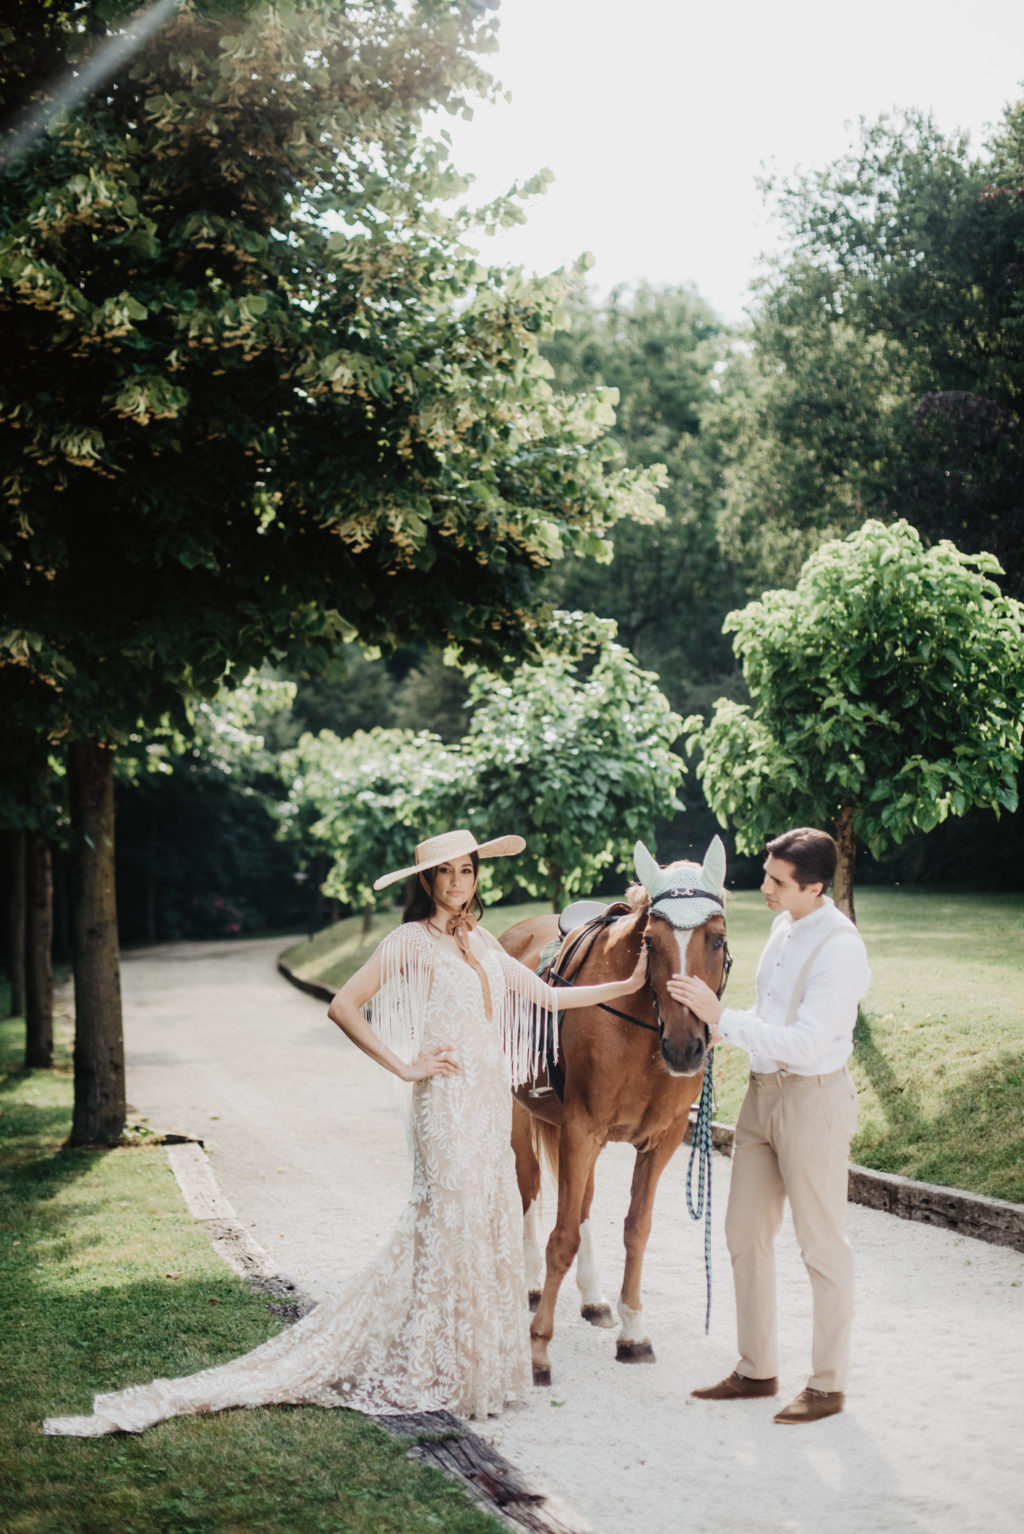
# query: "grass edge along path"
939,1047
107,1281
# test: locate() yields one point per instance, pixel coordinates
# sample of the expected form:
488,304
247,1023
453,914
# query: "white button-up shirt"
820,1038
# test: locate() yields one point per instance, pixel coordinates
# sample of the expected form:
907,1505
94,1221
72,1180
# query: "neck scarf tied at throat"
459,924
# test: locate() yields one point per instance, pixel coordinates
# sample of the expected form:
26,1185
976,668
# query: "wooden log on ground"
446,1443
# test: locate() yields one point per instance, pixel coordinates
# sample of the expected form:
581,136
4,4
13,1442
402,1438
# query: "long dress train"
439,1320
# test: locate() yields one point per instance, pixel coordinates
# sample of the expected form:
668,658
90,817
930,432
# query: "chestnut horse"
626,1078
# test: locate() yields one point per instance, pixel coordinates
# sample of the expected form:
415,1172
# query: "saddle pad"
579,912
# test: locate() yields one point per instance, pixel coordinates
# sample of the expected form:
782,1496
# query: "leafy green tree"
664,351
260,397
33,809
888,694
412,689
364,802
809,444
887,362
575,754
197,854
433,695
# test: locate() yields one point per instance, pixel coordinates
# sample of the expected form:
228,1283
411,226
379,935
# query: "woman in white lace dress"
439,1320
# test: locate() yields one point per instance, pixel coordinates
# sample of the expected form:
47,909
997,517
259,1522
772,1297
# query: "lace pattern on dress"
439,1319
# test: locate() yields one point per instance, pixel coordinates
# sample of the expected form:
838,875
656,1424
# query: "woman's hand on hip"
440,1061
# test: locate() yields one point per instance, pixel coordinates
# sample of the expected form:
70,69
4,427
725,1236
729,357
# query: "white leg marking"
633,1328
588,1281
533,1252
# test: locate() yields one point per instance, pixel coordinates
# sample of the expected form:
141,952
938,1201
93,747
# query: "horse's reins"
591,930
703,1143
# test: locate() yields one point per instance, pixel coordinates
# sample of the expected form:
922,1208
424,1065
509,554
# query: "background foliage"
879,377
888,693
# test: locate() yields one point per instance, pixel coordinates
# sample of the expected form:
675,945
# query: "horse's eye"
718,944
649,945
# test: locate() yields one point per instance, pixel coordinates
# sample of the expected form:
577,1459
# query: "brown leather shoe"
737,1387
811,1404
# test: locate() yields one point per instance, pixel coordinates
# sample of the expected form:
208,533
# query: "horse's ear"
647,870
714,864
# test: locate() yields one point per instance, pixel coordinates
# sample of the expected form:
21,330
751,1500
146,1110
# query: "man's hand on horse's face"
700,999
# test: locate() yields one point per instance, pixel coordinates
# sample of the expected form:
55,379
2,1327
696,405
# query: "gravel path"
305,1144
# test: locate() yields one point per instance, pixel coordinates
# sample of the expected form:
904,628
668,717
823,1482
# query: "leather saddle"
574,916
581,911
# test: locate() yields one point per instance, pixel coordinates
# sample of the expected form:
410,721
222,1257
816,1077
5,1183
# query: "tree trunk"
16,925
846,839
99,1045
367,920
61,908
38,952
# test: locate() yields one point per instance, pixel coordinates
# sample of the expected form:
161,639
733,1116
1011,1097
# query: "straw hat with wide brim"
453,844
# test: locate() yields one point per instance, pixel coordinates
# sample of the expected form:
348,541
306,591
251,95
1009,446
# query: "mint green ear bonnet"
676,891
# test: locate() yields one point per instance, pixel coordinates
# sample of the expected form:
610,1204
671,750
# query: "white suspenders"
801,981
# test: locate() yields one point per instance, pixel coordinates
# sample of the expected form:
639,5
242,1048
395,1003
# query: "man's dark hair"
812,853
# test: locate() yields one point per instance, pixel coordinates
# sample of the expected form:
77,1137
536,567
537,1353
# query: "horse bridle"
594,927
689,894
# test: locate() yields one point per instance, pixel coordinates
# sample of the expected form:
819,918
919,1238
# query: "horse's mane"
637,897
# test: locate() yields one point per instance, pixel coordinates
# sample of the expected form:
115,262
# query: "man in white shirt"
794,1128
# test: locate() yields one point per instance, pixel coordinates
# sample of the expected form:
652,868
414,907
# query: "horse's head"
684,934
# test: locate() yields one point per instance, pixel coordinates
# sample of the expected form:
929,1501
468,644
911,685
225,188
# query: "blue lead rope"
701,1152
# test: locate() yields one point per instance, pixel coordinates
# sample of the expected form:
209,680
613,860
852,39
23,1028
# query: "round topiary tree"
887,693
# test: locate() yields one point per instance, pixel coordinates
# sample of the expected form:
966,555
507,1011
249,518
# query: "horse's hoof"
598,1315
533,1300
541,1376
634,1353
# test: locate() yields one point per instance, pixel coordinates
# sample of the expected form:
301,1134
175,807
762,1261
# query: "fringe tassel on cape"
527,1009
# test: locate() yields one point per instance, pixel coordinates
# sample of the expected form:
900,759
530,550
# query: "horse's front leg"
578,1150
593,1305
528,1176
633,1346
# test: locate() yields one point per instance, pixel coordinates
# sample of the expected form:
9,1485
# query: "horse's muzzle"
684,1057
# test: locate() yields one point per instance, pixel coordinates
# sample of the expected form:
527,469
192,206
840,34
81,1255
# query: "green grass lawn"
107,1280
939,1057
939,1048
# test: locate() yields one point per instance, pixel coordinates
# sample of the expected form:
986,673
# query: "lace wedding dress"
439,1320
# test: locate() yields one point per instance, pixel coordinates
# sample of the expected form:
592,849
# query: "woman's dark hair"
812,853
420,902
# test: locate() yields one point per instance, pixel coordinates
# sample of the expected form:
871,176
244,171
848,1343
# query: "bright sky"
658,116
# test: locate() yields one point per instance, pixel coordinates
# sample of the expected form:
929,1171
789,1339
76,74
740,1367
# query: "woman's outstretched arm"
567,997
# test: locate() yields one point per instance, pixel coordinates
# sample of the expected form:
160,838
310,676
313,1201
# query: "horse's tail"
545,1144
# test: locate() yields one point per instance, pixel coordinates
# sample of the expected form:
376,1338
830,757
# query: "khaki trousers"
793,1140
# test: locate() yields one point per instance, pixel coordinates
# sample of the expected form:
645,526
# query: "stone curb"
996,1220
303,983
439,1438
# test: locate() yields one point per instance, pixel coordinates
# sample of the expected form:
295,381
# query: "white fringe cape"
527,1009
